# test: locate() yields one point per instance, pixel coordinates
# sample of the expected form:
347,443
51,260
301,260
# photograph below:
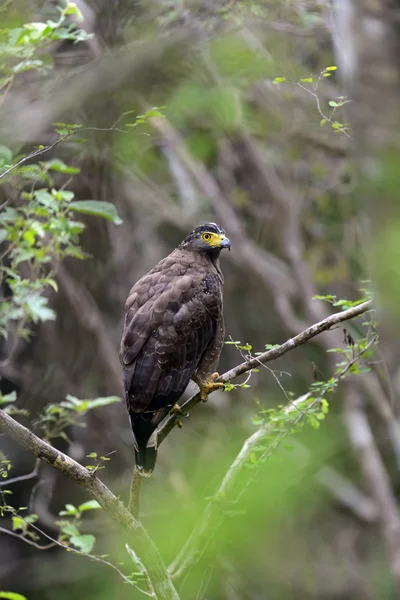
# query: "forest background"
123,125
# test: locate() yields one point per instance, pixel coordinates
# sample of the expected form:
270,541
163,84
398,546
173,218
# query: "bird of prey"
173,332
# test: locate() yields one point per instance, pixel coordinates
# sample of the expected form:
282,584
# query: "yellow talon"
176,410
209,386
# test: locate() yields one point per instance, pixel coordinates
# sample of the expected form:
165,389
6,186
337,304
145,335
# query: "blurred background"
257,135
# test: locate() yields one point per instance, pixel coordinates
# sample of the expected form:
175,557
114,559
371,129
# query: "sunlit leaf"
58,165
89,505
11,596
85,543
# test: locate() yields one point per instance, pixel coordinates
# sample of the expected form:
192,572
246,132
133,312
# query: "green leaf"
327,298
58,165
333,103
46,199
18,523
11,397
102,402
307,80
89,505
65,195
5,156
72,9
38,309
70,510
11,596
69,529
279,80
82,406
85,543
8,215
96,208
3,235
51,283
332,68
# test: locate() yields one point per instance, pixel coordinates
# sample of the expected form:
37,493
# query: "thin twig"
27,540
30,475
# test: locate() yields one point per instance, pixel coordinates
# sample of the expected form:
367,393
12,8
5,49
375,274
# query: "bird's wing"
171,320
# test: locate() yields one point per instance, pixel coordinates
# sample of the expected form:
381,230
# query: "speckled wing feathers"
173,314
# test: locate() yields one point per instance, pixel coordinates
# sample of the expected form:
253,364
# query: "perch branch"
273,354
139,539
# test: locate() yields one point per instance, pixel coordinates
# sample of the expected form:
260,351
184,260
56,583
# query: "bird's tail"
145,440
146,460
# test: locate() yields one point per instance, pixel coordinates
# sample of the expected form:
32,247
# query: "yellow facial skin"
215,240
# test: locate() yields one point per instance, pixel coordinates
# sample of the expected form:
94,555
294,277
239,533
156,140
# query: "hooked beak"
225,243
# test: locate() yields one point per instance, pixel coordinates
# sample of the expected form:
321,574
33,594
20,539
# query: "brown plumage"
173,332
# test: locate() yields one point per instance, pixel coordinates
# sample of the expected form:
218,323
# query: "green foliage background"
101,192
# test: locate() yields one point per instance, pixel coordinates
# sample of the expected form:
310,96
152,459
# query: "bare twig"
27,540
19,478
139,539
273,354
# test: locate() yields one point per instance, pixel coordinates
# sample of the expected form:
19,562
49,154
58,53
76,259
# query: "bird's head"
209,238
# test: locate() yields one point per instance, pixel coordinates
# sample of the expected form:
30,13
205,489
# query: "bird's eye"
206,237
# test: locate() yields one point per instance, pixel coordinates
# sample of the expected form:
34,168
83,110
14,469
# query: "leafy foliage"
311,87
22,49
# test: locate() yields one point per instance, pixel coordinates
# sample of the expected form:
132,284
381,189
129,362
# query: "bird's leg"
208,386
177,410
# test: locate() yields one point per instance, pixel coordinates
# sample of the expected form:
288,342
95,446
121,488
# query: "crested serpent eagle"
173,332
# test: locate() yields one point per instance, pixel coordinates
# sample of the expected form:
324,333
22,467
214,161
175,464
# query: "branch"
139,539
266,357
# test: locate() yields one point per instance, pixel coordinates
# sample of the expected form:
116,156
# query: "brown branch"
138,537
270,355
